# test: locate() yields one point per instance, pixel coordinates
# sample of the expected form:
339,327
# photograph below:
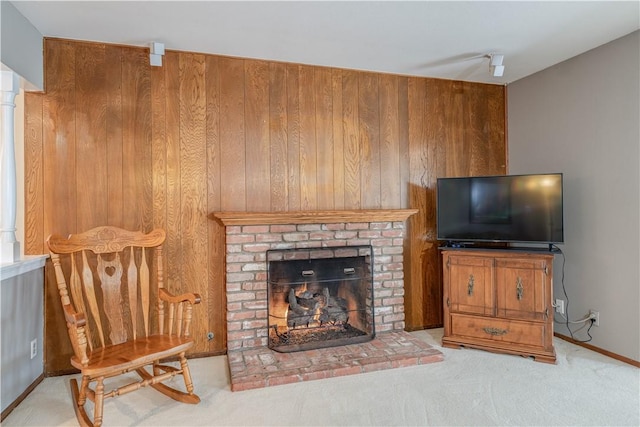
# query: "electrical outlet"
560,306
34,348
595,316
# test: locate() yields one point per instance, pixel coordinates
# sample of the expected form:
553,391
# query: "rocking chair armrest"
169,297
73,317
76,323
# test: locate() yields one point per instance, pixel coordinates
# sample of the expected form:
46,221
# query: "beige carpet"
469,388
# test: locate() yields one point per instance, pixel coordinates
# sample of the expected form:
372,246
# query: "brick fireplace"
248,238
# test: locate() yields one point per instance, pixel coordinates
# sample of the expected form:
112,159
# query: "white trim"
25,265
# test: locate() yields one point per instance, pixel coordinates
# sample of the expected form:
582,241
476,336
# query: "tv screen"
511,208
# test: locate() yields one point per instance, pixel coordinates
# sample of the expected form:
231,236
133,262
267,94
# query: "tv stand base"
499,301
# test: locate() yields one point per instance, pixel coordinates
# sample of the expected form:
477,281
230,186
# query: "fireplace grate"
319,297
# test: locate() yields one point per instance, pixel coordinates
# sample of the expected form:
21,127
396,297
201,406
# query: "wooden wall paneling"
91,143
232,134
480,112
474,125
432,285
442,98
457,156
257,135
496,129
33,182
137,158
158,146
390,178
324,137
212,89
193,187
369,139
278,125
403,141
338,139
216,295
351,143
59,115
308,144
113,123
173,259
416,225
293,138
175,143
59,199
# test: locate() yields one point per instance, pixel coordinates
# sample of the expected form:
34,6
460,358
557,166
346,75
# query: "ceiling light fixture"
157,51
495,64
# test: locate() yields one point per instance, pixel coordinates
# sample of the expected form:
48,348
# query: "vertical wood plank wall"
115,141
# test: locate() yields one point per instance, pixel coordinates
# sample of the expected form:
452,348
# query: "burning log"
336,309
297,315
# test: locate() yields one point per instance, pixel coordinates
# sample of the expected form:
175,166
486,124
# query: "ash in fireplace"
307,338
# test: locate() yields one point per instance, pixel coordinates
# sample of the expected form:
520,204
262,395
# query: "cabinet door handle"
519,288
470,285
495,331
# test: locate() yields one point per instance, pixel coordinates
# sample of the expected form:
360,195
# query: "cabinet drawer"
498,330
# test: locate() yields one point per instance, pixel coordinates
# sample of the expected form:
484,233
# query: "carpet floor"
468,388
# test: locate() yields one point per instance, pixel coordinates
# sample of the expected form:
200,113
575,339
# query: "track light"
157,51
495,64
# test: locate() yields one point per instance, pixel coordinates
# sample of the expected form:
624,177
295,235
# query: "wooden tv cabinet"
500,301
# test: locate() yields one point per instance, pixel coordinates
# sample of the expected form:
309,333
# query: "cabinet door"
522,288
470,284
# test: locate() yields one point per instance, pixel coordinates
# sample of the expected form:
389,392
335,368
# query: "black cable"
566,307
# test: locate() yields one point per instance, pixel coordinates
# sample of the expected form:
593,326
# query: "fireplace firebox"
320,297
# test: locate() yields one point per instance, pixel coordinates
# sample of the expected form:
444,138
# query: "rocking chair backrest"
111,276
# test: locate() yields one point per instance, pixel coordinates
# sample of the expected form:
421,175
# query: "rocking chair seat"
131,354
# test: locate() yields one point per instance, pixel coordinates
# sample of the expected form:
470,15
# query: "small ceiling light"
157,51
495,64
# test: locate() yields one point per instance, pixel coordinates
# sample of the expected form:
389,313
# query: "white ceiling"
443,39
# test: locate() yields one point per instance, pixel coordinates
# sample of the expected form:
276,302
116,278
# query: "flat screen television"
510,208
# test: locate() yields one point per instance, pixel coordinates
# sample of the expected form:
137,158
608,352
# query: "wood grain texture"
257,134
114,134
136,158
206,133
313,217
233,170
215,297
91,145
322,84
351,142
33,170
293,138
193,188
158,146
173,183
278,125
369,140
417,199
338,140
308,144
59,189
390,178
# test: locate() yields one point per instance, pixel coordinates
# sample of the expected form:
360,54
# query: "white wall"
21,46
22,310
581,117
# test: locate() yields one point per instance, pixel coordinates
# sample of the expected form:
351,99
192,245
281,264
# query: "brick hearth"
262,367
250,235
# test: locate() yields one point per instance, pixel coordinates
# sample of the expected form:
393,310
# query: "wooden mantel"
312,217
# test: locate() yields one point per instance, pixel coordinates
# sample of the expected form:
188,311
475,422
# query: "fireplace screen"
319,297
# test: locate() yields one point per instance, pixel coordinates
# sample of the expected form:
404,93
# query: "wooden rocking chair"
105,283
